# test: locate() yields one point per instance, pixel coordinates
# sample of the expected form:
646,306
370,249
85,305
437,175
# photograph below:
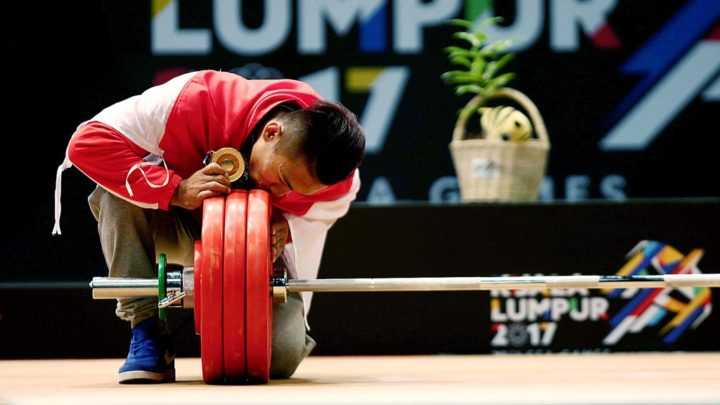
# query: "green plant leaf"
478,65
481,36
491,21
493,51
482,60
453,74
456,77
499,46
490,70
504,61
461,60
503,79
461,23
466,36
452,49
468,88
460,52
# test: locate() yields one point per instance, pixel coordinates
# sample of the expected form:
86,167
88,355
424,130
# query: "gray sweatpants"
131,238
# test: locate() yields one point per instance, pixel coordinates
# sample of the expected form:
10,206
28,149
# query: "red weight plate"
196,281
234,286
211,294
259,299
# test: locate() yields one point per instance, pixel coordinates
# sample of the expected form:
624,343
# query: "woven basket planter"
494,170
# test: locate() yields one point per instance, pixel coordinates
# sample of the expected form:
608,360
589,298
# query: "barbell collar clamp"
172,300
278,284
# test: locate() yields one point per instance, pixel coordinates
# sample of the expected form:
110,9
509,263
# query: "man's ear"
272,130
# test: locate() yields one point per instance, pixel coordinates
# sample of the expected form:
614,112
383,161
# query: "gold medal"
231,160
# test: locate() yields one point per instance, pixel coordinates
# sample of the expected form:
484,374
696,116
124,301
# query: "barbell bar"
108,288
232,287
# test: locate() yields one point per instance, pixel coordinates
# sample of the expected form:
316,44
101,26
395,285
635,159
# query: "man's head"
307,150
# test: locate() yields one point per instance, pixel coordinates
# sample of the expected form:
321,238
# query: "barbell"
232,286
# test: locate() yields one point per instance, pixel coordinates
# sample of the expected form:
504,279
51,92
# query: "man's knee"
290,344
286,357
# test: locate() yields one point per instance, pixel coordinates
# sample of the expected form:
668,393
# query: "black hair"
330,138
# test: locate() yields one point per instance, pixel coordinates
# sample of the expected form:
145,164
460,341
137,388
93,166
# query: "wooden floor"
666,378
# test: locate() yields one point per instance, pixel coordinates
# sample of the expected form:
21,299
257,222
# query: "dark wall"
437,241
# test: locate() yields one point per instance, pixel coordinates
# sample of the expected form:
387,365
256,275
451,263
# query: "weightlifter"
146,155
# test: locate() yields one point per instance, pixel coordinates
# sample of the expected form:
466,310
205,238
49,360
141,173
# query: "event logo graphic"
676,65
313,19
531,320
381,27
686,308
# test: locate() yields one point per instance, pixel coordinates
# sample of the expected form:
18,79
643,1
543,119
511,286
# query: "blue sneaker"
151,358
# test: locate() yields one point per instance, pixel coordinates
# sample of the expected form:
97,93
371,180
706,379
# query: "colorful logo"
675,67
676,309
532,320
312,20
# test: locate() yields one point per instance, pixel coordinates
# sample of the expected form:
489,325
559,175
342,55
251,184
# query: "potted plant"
502,156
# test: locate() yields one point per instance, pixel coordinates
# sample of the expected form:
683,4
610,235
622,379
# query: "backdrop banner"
627,91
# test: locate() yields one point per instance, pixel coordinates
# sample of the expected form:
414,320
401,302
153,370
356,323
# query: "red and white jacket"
139,149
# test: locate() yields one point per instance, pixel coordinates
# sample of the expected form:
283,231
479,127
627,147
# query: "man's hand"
279,231
207,182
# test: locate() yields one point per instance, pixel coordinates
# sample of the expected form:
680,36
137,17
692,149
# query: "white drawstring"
66,164
150,160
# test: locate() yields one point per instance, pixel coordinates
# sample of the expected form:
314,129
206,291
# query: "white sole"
140,376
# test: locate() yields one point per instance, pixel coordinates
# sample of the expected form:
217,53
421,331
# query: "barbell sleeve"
115,287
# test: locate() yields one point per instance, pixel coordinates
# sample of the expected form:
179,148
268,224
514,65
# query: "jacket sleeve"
119,148
309,232
123,168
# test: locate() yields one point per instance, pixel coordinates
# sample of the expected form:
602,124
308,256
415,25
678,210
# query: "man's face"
273,168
